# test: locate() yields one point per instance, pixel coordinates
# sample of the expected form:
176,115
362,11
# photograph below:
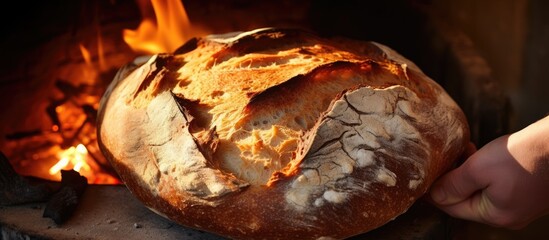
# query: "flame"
79,159
85,54
101,50
72,158
164,27
162,30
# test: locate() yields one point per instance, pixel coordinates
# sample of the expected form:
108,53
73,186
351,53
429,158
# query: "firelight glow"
162,30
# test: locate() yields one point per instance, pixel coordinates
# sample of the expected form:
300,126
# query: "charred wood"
63,203
16,189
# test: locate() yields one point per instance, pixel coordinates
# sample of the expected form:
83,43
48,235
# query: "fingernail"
438,195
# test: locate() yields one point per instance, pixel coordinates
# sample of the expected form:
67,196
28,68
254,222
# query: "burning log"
15,189
62,205
62,198
72,116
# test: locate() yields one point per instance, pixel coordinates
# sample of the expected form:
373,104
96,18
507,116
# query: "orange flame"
165,27
79,159
101,50
72,158
162,30
85,54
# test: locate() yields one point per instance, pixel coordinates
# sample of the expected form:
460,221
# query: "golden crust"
277,133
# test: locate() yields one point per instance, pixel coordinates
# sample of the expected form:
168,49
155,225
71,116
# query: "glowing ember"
162,30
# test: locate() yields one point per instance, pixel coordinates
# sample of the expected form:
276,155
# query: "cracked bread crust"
278,133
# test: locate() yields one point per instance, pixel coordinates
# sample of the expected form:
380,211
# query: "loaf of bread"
279,134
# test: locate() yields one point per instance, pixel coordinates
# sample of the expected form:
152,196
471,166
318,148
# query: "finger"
458,184
476,208
480,208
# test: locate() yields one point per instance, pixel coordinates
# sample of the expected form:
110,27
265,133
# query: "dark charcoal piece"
15,189
62,205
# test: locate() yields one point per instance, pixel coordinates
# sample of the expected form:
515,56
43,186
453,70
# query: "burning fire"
74,122
72,158
165,27
162,30
79,159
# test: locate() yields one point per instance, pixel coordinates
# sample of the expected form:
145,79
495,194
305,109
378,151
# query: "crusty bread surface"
279,134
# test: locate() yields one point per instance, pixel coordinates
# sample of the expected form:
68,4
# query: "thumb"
458,184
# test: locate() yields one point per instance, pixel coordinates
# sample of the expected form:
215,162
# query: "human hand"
503,184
